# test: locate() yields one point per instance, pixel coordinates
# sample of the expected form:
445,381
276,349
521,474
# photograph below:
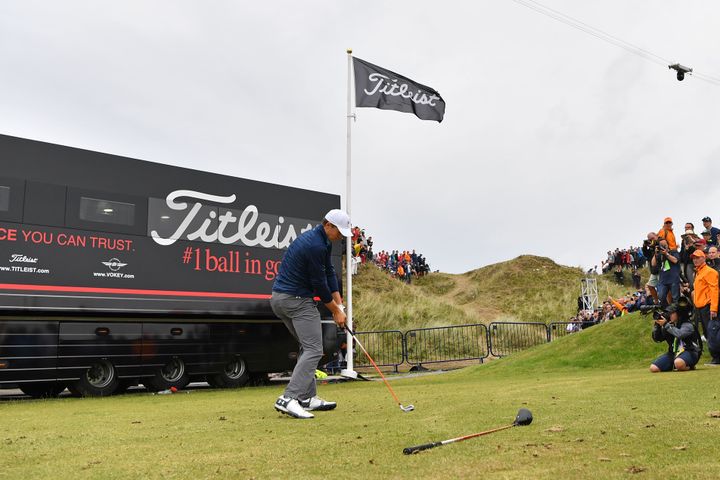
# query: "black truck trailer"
116,271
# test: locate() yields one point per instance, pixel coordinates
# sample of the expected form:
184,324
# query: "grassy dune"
618,344
381,303
598,414
527,288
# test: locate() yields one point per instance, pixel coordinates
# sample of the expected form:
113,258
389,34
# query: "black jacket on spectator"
648,250
684,331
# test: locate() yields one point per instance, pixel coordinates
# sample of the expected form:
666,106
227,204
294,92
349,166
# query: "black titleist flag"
380,88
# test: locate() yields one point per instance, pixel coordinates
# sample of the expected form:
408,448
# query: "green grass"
618,344
598,414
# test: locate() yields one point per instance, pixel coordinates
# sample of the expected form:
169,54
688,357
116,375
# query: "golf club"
524,417
405,409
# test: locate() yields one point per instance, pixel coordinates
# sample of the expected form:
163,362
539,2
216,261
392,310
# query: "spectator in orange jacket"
619,306
666,232
705,297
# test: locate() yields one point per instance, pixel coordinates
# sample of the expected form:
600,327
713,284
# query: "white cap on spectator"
340,219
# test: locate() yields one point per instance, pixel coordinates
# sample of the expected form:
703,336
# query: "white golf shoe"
290,406
317,403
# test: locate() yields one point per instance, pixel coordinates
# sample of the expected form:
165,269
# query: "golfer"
306,272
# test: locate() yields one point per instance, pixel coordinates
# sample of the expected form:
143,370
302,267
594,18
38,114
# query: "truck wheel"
100,380
43,389
172,374
235,374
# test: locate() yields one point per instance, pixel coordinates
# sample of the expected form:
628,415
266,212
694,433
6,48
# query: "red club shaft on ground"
524,417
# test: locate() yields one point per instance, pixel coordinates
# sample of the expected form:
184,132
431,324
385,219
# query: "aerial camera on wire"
681,70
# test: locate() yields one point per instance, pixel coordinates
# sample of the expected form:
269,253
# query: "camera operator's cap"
698,253
671,308
668,219
340,219
700,241
707,219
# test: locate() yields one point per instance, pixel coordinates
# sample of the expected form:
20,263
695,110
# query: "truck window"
107,211
12,195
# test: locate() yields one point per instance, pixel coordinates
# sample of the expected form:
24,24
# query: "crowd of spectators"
673,262
361,248
672,266
671,271
622,260
401,265
611,308
684,270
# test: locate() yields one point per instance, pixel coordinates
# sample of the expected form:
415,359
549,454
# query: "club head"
409,408
524,417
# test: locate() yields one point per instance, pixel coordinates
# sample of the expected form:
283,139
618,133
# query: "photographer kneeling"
684,348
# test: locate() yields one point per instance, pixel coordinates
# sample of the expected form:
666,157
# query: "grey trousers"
302,318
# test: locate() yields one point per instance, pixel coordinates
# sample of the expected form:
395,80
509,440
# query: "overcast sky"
554,142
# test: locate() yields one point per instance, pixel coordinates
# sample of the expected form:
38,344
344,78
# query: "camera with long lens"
648,309
657,311
683,307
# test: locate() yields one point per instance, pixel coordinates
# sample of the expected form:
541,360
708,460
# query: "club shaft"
427,446
376,368
473,435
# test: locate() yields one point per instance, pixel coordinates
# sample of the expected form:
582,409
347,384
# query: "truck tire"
42,389
100,380
172,374
234,375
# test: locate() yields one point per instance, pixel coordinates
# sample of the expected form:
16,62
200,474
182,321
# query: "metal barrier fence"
558,329
509,337
392,348
386,347
446,344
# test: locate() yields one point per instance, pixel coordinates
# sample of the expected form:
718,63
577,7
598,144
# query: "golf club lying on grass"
524,417
409,408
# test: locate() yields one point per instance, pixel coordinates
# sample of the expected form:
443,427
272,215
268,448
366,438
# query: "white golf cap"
340,219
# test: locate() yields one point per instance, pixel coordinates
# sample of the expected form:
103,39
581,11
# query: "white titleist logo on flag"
382,85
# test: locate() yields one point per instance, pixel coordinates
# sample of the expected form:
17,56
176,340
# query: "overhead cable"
602,35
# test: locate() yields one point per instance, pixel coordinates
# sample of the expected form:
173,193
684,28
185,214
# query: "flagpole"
350,368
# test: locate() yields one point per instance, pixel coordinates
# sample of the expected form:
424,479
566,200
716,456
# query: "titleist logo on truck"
231,229
18,257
